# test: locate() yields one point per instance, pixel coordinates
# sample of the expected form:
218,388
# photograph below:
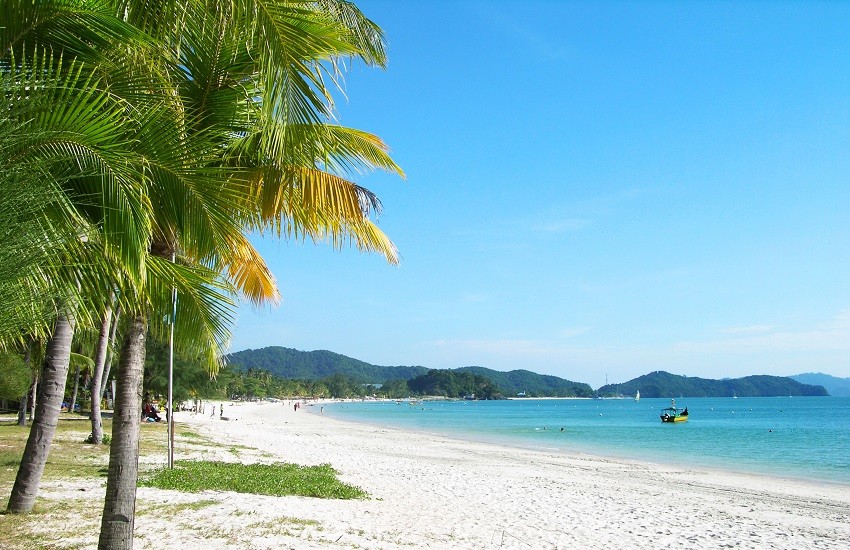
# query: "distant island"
664,384
837,387
484,383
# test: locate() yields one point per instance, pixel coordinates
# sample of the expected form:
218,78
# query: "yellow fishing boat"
673,413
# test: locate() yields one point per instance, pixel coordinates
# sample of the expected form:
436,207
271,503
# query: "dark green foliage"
394,389
90,439
316,365
262,479
454,384
533,384
191,379
664,384
14,376
320,365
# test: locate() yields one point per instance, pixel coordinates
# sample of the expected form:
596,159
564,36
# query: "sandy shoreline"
429,491
433,492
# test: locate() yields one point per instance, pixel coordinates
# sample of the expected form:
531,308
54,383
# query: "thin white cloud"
541,44
561,226
830,335
747,329
572,332
475,297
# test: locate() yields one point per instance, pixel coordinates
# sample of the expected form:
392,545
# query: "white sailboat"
637,396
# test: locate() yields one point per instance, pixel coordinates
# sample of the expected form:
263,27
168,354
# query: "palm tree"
72,129
212,123
245,85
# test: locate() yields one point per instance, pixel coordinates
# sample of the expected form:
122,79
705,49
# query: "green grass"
71,459
263,479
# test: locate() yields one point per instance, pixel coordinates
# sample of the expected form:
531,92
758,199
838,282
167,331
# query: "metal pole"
170,405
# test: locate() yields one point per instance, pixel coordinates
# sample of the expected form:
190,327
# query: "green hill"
532,384
838,387
664,384
316,365
454,383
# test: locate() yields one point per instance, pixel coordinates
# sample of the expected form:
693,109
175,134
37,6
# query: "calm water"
802,437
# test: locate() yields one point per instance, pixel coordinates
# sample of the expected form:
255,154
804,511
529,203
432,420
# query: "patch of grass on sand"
262,479
175,509
18,532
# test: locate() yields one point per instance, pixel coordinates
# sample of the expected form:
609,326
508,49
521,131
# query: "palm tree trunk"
34,392
51,391
104,380
76,389
119,508
22,412
99,362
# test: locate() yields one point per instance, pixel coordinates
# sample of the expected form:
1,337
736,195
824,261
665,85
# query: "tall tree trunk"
104,380
22,412
34,392
119,508
99,362
52,390
76,389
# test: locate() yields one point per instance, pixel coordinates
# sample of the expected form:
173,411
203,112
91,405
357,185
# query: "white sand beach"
433,492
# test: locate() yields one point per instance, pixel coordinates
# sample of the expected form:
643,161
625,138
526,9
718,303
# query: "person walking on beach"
221,411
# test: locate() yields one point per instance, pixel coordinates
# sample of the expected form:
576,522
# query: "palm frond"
248,272
78,132
205,308
74,28
360,30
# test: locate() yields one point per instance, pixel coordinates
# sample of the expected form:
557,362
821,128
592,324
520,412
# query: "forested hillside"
664,384
454,384
532,384
315,365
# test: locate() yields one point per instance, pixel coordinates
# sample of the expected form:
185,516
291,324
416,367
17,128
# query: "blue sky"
595,189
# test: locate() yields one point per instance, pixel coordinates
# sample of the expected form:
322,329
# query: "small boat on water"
637,396
673,413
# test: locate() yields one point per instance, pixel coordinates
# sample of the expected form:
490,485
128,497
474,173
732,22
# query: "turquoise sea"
800,437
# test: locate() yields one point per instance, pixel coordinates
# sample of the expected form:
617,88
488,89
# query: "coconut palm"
245,85
72,130
228,108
